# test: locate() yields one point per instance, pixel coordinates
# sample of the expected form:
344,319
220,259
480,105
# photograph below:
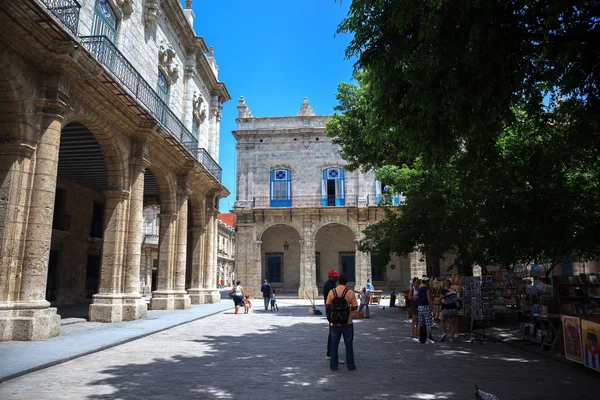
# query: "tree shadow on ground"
286,359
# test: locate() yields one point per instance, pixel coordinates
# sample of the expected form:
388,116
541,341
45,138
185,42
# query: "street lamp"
286,246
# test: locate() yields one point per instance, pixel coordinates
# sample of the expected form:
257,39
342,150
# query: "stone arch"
279,265
115,148
297,226
335,247
167,185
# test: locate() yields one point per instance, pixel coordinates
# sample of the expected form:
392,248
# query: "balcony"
302,202
66,11
103,50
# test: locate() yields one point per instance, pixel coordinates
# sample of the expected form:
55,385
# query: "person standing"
413,296
266,292
332,277
424,308
449,311
339,328
365,298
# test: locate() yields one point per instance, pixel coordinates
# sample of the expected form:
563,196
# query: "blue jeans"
266,301
336,333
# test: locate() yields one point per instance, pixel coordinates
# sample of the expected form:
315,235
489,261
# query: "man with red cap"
332,276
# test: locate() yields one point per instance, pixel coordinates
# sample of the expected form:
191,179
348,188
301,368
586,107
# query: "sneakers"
340,361
429,341
443,337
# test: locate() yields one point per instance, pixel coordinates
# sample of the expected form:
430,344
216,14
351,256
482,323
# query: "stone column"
40,321
138,163
111,304
418,264
211,294
164,297
196,290
254,275
16,165
308,277
24,312
363,268
182,300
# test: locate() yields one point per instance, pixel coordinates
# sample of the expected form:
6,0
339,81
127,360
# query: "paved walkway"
281,355
76,340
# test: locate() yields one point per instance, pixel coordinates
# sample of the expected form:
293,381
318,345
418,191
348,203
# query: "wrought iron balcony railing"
108,55
306,201
67,12
210,164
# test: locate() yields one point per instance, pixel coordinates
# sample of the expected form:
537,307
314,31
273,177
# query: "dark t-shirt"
266,290
327,288
423,300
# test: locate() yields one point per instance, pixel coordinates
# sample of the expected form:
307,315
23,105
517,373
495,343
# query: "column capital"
17,148
168,216
116,193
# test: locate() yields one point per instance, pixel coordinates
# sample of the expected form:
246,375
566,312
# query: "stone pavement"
281,355
75,340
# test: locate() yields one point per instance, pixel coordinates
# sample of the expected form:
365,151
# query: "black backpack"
340,312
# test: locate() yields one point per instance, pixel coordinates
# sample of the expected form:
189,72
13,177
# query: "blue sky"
274,53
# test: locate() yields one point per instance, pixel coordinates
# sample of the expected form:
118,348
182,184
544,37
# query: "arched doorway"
78,222
280,255
335,248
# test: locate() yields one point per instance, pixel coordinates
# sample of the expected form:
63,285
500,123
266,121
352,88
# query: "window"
195,128
381,193
332,187
105,20
281,188
163,93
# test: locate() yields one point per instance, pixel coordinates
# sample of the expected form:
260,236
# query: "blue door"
347,266
274,268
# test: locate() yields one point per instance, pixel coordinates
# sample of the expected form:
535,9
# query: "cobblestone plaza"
282,355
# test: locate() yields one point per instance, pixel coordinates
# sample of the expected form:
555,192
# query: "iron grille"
66,11
108,55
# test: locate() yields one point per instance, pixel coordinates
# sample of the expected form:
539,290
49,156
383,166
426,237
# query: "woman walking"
238,296
413,294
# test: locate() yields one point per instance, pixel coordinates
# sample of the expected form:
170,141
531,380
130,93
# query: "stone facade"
299,213
106,108
226,250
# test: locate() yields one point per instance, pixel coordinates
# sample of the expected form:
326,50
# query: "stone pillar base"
117,308
28,324
204,296
304,293
170,300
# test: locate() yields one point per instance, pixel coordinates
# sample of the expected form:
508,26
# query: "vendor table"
551,323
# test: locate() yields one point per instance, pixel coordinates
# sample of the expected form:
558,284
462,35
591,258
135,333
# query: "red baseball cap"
333,272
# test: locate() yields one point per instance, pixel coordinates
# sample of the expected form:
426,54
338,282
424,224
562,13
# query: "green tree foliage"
449,73
485,115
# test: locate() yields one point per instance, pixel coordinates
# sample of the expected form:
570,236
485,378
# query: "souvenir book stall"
579,300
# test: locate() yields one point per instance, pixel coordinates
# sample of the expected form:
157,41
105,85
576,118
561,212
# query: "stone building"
300,213
107,108
226,249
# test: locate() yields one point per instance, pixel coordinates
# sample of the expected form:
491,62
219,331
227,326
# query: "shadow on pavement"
286,359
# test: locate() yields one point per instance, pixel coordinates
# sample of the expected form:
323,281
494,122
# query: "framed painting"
590,333
572,338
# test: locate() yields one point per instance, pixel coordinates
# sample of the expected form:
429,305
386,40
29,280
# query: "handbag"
230,294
